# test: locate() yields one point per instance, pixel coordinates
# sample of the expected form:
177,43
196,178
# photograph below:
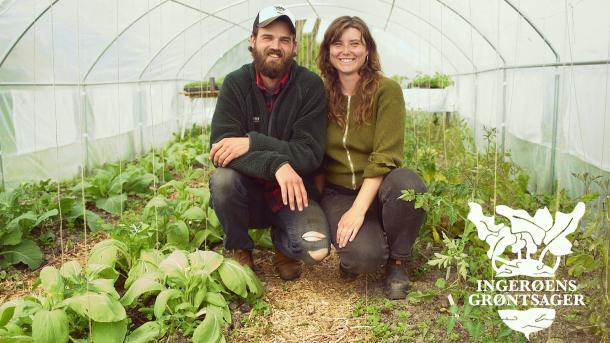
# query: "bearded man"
268,134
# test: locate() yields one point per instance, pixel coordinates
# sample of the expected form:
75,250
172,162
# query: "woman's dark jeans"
390,225
240,204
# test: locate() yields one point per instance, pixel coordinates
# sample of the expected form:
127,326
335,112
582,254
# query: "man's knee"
316,244
360,259
226,182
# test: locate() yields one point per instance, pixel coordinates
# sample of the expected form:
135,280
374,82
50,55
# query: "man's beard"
272,69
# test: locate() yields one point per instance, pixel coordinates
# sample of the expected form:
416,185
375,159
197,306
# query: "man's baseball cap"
269,14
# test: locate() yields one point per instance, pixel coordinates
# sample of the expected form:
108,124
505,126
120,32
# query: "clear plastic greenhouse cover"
86,82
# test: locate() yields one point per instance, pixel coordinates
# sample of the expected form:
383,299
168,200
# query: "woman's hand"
349,225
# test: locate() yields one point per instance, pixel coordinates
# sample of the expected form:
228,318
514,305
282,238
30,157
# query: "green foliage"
308,49
456,173
21,210
185,287
110,186
71,298
431,81
204,85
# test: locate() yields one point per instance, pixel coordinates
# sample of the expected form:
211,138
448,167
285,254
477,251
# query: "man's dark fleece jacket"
294,132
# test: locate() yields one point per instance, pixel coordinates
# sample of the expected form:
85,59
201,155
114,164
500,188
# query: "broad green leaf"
71,271
114,204
141,268
233,276
215,299
139,184
107,252
98,307
162,299
109,332
25,252
11,236
24,223
52,283
50,326
212,218
174,266
147,332
175,184
157,201
117,186
178,234
6,312
16,339
202,193
198,239
45,216
210,330
262,238
94,221
152,256
202,290
209,261
193,213
104,286
105,256
95,271
254,284
26,309
145,284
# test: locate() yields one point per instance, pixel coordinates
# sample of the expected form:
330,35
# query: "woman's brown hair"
370,72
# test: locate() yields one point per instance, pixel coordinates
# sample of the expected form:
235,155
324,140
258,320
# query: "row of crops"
154,277
162,272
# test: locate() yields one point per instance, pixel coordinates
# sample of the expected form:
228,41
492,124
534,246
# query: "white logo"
526,236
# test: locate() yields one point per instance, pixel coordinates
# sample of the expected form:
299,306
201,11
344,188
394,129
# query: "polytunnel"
88,83
101,79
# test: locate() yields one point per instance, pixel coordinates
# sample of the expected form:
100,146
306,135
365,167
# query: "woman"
370,226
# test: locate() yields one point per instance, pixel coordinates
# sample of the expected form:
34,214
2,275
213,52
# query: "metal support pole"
85,129
554,132
503,112
476,92
2,170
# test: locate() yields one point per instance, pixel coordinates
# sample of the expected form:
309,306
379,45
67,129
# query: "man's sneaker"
396,282
288,268
345,274
243,257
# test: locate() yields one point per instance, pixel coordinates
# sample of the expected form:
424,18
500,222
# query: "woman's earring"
366,59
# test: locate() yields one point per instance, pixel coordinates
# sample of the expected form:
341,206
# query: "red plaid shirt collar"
271,190
261,85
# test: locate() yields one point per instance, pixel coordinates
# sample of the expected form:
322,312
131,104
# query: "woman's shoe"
396,282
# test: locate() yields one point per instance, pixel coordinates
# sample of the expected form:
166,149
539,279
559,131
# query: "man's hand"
228,149
349,225
293,190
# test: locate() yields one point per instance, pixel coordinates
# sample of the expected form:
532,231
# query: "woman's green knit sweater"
371,149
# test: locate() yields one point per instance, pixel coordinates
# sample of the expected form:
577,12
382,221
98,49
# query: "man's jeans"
390,225
239,204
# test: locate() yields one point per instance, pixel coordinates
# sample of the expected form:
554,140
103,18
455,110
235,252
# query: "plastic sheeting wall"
580,133
85,82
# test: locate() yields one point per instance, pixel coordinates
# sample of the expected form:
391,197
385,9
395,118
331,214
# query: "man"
268,134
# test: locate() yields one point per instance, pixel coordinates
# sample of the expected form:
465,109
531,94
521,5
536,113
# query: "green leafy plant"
74,303
204,85
188,286
109,186
431,81
21,210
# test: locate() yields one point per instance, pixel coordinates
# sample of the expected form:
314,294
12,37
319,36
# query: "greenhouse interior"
107,229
